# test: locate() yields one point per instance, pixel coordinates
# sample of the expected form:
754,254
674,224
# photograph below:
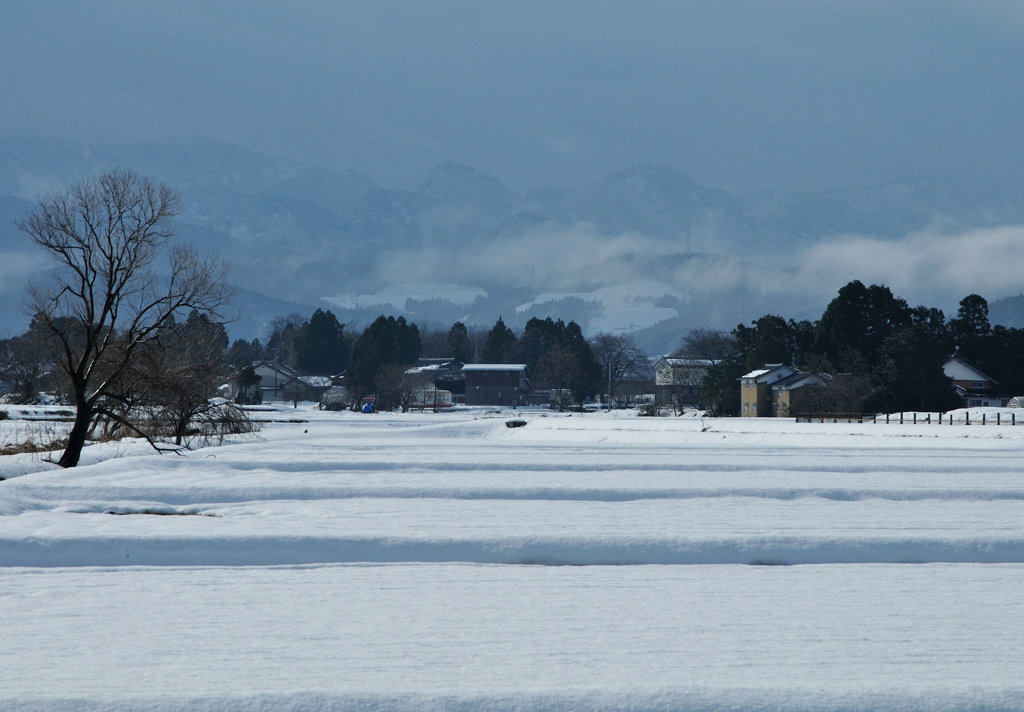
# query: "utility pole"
609,382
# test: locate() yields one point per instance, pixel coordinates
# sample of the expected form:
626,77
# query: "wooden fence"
962,418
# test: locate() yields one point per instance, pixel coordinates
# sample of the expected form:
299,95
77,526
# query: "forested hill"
298,233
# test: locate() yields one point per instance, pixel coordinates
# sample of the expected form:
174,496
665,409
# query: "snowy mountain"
299,234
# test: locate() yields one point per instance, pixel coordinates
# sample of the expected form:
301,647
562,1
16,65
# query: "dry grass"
21,437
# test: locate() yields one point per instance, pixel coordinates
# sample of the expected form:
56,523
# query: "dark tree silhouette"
106,300
320,345
459,346
860,319
499,341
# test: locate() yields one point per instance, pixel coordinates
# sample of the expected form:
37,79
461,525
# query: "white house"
678,380
974,387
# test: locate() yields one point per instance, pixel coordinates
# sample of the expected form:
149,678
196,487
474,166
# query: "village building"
677,381
756,390
975,388
790,395
496,384
445,374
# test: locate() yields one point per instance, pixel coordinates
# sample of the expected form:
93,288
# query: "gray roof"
494,367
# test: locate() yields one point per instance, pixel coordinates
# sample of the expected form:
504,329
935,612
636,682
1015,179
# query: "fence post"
886,418
915,417
967,417
982,418
999,418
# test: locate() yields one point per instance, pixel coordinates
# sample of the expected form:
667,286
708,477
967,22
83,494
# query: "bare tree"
621,359
711,344
107,299
396,387
179,373
300,390
687,384
556,370
842,386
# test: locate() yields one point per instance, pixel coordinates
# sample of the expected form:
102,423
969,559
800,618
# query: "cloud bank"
927,267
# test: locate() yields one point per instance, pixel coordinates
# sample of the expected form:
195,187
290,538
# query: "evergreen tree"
201,338
567,357
586,381
972,318
459,346
1006,361
909,374
247,383
376,347
539,336
772,339
860,319
971,332
934,322
385,342
320,346
407,340
499,341
242,350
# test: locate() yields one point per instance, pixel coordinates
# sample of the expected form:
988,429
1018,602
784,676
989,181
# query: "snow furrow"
568,551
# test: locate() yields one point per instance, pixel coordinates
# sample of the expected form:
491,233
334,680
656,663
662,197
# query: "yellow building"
756,390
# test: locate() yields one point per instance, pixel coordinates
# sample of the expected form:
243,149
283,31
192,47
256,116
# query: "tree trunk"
77,436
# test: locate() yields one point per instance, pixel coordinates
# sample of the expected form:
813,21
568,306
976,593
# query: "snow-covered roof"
279,367
494,367
316,381
688,362
959,370
798,379
769,368
421,369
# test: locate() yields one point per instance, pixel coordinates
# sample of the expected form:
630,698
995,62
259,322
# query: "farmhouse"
496,384
677,381
444,373
974,387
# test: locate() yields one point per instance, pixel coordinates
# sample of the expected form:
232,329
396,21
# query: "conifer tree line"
889,355
557,354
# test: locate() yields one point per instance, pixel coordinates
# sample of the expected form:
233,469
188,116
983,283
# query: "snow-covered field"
447,562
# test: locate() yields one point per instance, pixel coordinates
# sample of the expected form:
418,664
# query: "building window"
979,384
746,407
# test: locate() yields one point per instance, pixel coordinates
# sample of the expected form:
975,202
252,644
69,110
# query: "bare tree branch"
108,297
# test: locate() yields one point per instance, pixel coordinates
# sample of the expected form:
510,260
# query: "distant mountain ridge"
298,233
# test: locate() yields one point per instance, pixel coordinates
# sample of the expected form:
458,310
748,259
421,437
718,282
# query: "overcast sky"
744,95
